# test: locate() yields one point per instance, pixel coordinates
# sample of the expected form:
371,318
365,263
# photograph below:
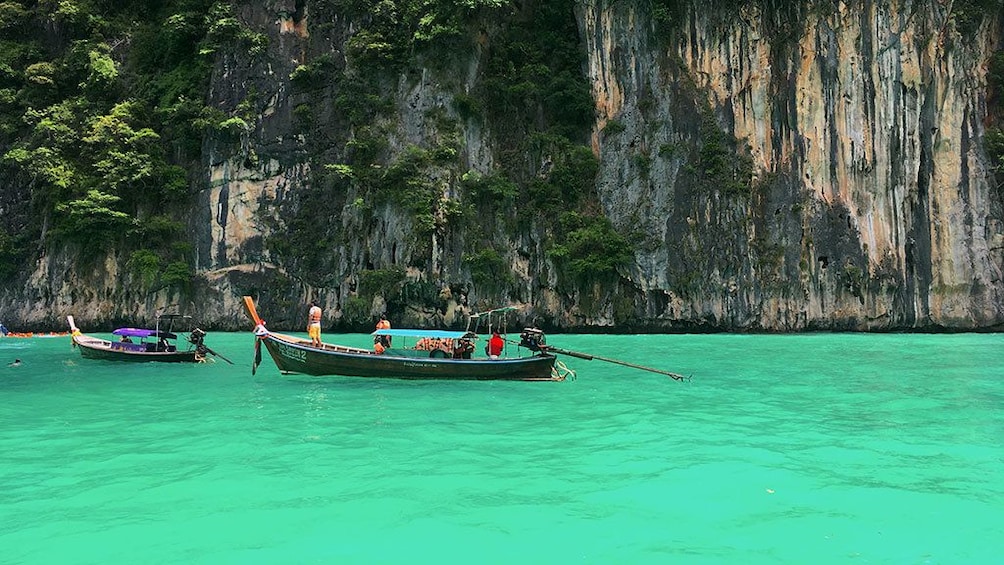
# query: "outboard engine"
197,338
532,339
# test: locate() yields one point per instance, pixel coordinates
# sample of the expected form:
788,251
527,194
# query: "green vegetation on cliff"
529,92
101,117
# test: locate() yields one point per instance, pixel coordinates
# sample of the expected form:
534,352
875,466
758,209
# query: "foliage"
493,187
12,15
315,74
722,168
356,310
12,254
101,124
489,270
969,14
147,266
224,29
382,282
93,216
394,31
144,265
591,251
410,183
533,70
420,293
568,182
993,142
177,273
613,127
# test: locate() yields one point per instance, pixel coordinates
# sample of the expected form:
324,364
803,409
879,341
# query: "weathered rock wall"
828,177
871,207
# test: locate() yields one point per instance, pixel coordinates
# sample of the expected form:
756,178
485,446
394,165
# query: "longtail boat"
434,354
142,345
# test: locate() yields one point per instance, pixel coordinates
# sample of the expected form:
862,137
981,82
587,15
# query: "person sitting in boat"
125,339
378,344
495,345
463,349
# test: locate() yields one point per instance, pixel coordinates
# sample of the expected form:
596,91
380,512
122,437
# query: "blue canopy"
138,332
439,334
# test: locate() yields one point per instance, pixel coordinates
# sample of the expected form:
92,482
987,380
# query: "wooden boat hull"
92,348
298,356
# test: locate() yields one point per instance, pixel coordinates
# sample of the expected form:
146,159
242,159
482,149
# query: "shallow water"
821,448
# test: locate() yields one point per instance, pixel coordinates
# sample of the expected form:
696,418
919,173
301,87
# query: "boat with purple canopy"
141,344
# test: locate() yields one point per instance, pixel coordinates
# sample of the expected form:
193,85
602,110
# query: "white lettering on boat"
292,353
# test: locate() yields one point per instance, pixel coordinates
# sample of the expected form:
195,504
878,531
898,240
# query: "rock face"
870,205
788,171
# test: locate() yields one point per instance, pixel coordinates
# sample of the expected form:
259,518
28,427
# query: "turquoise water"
782,449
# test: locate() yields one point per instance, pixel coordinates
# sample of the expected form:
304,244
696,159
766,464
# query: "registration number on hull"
292,353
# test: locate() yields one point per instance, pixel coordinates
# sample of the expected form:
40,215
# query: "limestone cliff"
871,205
773,169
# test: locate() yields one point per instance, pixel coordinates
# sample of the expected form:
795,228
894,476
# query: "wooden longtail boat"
430,359
151,345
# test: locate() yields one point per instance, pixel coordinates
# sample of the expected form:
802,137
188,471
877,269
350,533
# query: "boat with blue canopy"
429,354
411,354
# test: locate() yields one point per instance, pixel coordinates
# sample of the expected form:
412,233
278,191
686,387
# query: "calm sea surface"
823,448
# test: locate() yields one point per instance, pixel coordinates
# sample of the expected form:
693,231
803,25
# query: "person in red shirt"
495,345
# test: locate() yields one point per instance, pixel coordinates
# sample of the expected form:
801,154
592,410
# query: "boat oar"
588,357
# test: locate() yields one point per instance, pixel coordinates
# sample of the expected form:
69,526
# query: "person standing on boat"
384,324
495,345
314,324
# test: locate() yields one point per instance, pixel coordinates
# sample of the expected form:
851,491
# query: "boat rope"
560,371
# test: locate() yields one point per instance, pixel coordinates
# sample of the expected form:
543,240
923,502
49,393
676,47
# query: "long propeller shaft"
589,357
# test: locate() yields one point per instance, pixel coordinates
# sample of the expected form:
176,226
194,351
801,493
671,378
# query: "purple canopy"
137,332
